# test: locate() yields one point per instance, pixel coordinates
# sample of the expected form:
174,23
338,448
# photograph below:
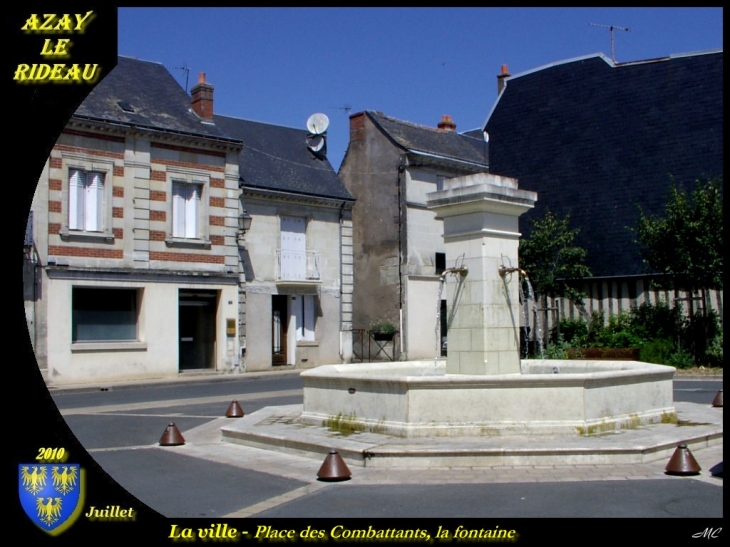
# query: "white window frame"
186,198
293,260
70,229
85,200
190,236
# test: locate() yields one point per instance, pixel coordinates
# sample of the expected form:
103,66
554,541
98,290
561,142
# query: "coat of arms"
51,494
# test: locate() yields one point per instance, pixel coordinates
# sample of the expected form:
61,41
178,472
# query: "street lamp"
244,224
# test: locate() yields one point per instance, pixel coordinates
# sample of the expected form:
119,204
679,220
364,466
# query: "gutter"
447,158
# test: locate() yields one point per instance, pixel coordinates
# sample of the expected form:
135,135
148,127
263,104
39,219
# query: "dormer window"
124,105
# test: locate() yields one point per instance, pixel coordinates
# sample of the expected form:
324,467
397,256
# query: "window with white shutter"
85,200
185,209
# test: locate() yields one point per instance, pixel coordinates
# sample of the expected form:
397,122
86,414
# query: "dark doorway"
197,328
279,323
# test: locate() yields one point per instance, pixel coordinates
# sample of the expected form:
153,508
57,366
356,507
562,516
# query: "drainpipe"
401,170
342,334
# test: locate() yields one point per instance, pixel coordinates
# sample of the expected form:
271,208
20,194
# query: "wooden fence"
611,296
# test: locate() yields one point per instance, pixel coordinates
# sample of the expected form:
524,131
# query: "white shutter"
76,200
293,248
93,197
191,210
185,207
178,209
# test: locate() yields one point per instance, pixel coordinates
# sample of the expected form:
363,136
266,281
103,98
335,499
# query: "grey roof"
156,100
431,141
595,139
277,158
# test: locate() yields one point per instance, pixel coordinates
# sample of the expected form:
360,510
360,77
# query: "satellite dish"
318,123
485,136
316,143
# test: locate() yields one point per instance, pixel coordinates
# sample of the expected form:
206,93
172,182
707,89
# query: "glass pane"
104,315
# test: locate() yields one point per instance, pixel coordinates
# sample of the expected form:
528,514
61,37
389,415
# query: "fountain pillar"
480,214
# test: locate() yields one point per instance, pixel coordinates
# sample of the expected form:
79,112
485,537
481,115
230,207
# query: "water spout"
504,271
459,270
463,270
531,296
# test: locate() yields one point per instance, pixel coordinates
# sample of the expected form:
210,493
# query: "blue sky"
280,65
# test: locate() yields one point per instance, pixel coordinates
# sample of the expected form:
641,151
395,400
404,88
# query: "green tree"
685,247
685,244
552,260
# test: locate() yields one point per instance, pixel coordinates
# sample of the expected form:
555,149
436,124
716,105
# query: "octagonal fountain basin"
418,399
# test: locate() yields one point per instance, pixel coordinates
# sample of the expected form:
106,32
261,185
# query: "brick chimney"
202,98
357,126
501,79
446,124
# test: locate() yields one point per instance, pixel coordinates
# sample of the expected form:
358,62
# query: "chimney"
357,126
501,79
446,124
202,98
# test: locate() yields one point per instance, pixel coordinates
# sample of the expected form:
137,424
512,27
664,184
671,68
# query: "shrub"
382,326
713,356
619,332
557,350
657,351
662,333
699,333
649,321
572,331
680,359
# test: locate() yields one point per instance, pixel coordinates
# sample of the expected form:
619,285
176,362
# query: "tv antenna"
186,69
346,107
611,28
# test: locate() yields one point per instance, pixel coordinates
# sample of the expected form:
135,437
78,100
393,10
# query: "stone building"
136,265
389,168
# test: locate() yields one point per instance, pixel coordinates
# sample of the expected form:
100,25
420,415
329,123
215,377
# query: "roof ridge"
238,118
411,124
133,58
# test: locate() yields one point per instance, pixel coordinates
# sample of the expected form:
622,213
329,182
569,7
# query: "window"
85,200
103,315
185,209
293,260
304,316
440,264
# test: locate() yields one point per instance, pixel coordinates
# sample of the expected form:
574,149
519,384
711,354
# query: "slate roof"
595,139
430,141
273,157
156,98
277,158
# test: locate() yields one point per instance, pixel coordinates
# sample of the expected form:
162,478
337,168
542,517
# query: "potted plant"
382,329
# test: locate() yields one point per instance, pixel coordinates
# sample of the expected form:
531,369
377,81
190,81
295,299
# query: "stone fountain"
484,388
